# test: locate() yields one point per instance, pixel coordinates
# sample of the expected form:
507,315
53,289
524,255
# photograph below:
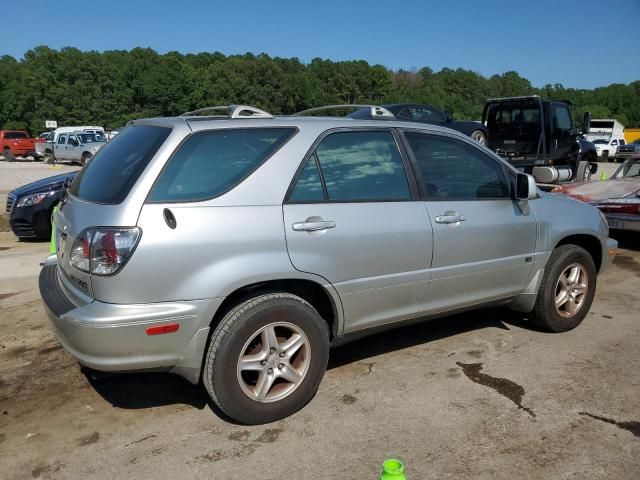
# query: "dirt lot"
482,395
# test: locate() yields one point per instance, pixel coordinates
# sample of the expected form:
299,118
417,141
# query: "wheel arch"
326,302
590,243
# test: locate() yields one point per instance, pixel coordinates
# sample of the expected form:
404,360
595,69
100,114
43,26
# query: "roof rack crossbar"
232,111
376,111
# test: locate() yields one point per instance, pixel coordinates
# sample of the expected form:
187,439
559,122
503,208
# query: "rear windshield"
15,135
109,176
212,162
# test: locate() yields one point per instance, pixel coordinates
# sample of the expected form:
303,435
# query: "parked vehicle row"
74,144
237,251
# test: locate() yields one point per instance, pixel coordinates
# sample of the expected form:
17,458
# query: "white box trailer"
605,129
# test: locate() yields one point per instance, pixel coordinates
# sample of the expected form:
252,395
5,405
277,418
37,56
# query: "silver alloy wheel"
479,136
571,290
273,362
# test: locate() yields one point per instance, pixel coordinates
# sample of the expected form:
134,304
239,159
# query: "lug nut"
273,350
281,354
263,362
281,366
270,371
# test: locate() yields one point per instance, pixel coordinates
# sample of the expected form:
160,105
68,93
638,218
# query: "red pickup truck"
16,142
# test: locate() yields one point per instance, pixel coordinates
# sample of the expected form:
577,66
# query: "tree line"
112,87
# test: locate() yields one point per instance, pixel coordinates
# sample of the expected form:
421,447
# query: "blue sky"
582,44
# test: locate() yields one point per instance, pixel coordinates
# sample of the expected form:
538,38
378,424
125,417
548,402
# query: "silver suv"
236,249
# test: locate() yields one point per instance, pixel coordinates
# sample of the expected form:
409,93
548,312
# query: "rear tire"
567,289
276,341
8,156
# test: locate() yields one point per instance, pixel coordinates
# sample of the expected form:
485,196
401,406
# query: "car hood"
43,185
603,190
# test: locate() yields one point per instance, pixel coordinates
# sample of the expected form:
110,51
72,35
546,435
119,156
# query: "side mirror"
586,123
448,113
526,188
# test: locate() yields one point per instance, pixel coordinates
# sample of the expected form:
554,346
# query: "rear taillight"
103,251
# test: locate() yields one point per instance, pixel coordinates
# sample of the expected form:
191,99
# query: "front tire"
479,136
583,173
85,158
567,289
266,358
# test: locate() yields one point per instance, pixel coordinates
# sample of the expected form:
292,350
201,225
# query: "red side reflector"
171,328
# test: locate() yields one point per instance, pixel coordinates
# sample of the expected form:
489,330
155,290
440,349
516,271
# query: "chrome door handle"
313,226
450,218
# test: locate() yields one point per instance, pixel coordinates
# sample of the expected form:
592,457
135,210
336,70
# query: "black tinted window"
562,118
212,162
309,186
15,135
108,178
362,166
451,169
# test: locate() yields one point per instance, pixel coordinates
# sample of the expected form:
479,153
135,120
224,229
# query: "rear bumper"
621,221
112,337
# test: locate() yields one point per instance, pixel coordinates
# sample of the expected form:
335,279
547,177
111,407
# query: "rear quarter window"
109,176
213,162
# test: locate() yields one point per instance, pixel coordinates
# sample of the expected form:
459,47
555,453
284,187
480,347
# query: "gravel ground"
482,395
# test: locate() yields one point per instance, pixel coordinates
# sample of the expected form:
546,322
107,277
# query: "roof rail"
523,97
376,111
232,111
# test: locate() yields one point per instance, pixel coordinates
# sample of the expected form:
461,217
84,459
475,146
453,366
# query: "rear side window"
210,163
108,178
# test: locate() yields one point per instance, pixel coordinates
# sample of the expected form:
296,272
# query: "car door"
353,216
483,242
60,146
73,148
562,139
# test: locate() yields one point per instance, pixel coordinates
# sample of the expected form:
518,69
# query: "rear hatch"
515,128
108,193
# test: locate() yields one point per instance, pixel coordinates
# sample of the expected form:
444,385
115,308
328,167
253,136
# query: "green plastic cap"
392,470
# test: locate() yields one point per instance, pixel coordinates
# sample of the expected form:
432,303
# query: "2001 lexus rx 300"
236,250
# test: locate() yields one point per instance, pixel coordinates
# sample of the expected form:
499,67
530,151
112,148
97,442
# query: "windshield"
90,138
109,177
600,142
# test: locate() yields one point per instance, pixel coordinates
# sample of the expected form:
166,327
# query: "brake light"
103,251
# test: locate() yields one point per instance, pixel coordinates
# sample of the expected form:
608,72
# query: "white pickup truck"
606,147
72,146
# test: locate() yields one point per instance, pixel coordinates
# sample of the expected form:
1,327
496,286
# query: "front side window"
454,170
562,118
210,163
362,166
